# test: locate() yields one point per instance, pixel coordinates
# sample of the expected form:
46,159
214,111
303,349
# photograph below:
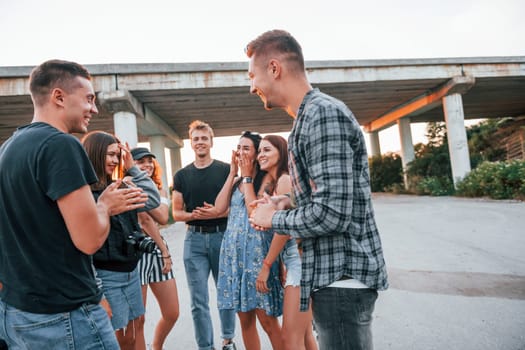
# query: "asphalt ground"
456,270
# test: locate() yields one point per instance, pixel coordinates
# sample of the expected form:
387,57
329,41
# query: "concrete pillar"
176,161
375,147
157,145
407,147
126,128
457,137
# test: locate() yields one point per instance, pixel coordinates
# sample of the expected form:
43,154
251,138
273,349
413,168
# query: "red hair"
156,176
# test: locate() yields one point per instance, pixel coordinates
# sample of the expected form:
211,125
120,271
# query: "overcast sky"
155,31
118,31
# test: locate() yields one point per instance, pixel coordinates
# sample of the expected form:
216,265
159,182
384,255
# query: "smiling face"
112,158
261,81
146,164
268,156
201,143
79,105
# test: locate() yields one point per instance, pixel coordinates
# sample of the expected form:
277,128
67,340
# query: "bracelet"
266,263
166,257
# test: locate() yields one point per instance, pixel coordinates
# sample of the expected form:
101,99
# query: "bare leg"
127,337
139,325
166,294
297,325
250,336
272,327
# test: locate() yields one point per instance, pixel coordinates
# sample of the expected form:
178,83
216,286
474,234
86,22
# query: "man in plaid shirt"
342,260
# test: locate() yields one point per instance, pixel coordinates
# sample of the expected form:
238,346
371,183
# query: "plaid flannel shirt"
334,217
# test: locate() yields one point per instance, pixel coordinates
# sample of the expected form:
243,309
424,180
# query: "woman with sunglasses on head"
297,330
244,248
155,268
116,261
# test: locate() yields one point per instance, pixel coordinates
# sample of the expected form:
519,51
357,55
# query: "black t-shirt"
201,185
40,268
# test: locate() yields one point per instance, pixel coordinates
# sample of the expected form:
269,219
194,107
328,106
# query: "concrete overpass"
156,102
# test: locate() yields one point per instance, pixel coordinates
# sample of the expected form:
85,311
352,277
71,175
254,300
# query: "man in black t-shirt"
195,188
49,222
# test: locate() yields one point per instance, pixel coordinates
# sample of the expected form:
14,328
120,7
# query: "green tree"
385,171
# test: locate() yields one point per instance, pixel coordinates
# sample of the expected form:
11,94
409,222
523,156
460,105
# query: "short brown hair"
54,73
277,42
199,125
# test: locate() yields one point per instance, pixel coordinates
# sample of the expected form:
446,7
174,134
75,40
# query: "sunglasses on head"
249,133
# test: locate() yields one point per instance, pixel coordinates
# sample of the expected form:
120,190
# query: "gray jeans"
343,318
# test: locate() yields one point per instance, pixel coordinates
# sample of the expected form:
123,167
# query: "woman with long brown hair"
116,261
297,332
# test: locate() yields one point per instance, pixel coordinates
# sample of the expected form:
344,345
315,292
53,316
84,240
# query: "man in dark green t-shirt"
49,222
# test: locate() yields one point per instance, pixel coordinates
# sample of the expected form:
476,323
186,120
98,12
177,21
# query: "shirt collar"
306,99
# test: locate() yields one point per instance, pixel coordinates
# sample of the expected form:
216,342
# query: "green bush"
385,171
498,180
435,186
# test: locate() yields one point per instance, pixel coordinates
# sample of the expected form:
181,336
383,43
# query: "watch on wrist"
247,180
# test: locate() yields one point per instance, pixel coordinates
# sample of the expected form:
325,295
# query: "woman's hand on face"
126,155
246,165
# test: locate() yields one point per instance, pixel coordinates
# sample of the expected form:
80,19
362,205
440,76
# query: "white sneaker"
229,346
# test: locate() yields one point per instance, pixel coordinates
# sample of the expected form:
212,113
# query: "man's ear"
57,96
274,67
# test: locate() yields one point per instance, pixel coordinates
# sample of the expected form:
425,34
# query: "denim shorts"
292,261
86,327
124,294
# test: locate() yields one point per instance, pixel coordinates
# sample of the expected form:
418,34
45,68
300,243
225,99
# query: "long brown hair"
280,143
96,145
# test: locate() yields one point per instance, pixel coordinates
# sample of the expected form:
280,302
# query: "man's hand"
118,200
261,217
206,212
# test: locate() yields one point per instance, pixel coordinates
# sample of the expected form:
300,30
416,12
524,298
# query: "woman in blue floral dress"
244,249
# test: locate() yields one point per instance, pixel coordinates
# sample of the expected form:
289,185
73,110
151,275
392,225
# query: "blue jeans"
201,255
343,318
87,327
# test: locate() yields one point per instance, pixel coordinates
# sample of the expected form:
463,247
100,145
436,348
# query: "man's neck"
203,162
42,115
300,88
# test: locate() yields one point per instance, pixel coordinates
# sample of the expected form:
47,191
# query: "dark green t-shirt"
40,268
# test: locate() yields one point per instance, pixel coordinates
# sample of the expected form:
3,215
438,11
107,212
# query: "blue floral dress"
242,252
